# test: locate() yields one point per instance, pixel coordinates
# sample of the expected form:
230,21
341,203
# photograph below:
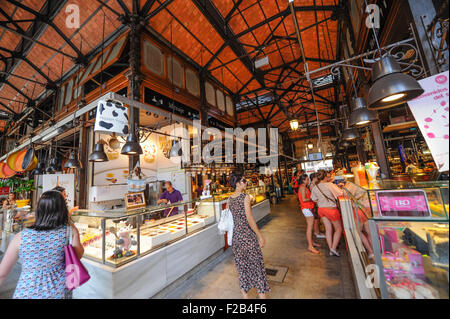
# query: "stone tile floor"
309,276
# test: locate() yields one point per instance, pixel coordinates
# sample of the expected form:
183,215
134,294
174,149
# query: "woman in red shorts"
307,207
325,194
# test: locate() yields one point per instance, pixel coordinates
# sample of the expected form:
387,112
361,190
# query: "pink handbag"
76,273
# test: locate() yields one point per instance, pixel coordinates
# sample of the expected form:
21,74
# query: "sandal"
334,252
314,251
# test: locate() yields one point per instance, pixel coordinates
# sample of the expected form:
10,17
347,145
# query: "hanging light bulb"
390,86
99,154
294,124
73,161
361,115
310,145
132,146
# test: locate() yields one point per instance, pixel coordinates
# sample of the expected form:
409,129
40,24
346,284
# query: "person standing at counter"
307,208
41,250
170,196
247,241
63,192
325,194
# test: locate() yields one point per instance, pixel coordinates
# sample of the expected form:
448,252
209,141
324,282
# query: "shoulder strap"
68,235
331,200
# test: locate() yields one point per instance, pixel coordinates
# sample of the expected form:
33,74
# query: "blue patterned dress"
43,265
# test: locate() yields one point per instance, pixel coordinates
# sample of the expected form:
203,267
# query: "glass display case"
116,237
257,194
402,228
12,221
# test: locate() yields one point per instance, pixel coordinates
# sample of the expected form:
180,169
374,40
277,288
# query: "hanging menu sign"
403,203
157,99
431,113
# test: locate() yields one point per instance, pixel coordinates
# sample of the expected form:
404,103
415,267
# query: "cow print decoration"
112,117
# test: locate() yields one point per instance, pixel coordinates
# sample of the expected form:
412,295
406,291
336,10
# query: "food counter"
260,202
136,254
406,224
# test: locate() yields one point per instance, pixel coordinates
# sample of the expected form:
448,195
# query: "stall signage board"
157,99
111,117
431,113
403,203
50,181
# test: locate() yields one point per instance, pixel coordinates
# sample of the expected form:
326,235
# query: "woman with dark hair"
41,250
247,241
307,206
325,194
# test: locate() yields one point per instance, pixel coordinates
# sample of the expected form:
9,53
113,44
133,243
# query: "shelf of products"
117,237
406,225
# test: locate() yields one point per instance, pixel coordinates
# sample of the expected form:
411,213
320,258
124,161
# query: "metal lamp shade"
349,134
345,144
55,164
40,169
99,154
132,146
390,86
73,161
361,115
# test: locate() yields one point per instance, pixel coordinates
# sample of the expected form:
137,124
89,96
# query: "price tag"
403,203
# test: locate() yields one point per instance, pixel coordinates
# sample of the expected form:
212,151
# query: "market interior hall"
224,149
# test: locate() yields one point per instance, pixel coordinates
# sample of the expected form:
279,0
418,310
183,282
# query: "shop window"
192,82
229,105
177,72
210,94
153,58
100,61
88,70
220,100
61,97
69,89
77,87
115,50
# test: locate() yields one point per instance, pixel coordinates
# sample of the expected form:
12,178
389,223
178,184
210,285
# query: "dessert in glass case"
116,237
408,231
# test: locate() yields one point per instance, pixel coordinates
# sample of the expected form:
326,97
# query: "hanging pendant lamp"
349,133
345,143
361,115
73,161
54,166
294,124
99,154
390,86
310,145
40,169
132,146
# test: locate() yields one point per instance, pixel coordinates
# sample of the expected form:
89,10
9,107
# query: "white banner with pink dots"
431,113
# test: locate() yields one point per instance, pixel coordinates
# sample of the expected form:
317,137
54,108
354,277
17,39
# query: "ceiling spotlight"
390,86
310,145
